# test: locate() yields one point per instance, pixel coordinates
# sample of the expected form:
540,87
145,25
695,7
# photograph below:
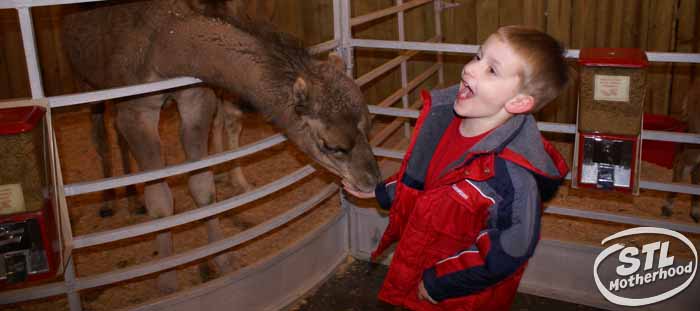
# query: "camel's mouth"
354,187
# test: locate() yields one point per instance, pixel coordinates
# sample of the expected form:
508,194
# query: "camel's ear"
300,90
337,61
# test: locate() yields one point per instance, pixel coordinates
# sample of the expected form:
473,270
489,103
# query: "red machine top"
18,120
613,57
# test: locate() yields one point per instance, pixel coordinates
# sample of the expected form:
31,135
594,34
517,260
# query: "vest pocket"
458,215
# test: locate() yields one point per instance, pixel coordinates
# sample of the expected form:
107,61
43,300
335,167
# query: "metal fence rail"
199,213
82,283
142,177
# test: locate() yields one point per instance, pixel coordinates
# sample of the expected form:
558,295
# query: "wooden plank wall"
419,26
653,25
58,77
14,81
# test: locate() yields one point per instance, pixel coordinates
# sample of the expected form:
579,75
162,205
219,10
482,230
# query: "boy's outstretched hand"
423,293
362,195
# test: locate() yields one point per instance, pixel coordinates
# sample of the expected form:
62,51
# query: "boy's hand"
362,195
423,294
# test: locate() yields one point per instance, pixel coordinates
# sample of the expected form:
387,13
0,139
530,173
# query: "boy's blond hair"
545,74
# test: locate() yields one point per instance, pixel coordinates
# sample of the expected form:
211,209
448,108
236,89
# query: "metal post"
438,7
73,296
29,43
37,89
404,69
337,27
345,36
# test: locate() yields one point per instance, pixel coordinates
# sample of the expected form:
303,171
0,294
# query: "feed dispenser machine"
33,220
607,149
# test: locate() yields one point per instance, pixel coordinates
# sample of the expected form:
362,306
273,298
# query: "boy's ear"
521,103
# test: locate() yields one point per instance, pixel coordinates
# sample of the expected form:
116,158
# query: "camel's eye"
331,149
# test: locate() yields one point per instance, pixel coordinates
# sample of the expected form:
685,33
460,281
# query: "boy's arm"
497,253
386,191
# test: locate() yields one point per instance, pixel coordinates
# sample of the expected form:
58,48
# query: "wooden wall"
58,78
653,25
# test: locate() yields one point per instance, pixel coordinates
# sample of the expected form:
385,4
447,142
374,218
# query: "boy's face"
490,82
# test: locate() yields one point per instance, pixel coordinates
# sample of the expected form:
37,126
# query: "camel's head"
334,124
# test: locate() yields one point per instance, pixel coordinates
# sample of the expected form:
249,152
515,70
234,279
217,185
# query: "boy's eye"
477,57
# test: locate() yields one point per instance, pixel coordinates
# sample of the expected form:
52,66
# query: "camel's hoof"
106,212
666,211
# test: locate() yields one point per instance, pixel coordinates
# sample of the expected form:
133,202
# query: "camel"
687,161
320,109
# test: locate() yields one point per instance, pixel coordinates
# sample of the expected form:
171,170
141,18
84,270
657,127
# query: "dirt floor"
81,163
355,285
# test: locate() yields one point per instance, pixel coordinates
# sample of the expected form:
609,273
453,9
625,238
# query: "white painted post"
438,7
404,69
29,43
345,36
37,89
73,296
337,26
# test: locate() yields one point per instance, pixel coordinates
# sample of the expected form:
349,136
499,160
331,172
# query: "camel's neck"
227,57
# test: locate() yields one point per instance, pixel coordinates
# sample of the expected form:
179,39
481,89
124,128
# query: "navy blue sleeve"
384,192
499,251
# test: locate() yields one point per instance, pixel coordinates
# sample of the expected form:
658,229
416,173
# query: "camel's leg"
233,127
228,118
217,134
135,206
694,207
197,107
217,128
137,120
678,168
99,138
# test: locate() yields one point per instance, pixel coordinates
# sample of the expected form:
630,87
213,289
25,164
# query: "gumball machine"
30,244
607,149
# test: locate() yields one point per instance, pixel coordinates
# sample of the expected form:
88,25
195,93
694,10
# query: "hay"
21,156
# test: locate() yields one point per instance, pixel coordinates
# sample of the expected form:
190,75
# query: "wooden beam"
661,39
411,85
396,61
390,128
385,12
687,42
486,19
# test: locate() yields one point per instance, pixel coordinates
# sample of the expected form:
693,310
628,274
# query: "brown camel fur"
320,109
687,162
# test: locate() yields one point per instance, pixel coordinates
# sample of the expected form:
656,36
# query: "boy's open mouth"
465,92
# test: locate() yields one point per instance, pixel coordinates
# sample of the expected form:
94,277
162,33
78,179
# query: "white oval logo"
634,265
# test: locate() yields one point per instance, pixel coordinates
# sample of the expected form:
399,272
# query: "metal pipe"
116,182
472,49
29,43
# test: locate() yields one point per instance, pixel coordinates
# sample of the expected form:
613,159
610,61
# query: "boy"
465,205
